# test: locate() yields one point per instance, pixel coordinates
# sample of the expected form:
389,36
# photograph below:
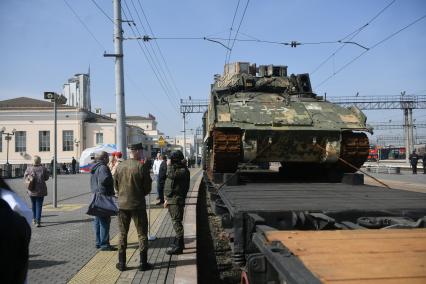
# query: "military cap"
177,156
136,146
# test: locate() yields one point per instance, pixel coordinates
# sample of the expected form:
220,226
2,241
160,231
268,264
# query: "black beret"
137,146
177,156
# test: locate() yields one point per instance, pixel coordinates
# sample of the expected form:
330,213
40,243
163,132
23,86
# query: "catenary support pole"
406,138
184,135
410,130
55,152
119,81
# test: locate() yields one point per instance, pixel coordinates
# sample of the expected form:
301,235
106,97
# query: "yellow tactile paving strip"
101,268
63,207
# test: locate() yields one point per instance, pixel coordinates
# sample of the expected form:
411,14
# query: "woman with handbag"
101,185
35,177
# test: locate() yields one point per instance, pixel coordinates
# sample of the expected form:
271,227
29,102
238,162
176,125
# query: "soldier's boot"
144,264
121,265
174,244
178,248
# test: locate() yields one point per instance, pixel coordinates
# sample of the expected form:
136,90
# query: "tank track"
226,151
354,150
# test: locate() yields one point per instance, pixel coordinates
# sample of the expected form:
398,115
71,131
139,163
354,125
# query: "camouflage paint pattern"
274,110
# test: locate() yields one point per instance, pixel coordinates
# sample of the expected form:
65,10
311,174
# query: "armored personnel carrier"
260,114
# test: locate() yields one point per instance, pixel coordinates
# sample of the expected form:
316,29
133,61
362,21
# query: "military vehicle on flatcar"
261,115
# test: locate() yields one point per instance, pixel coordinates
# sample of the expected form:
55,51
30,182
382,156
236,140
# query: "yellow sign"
161,141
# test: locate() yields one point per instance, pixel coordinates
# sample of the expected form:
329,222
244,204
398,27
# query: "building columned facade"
29,125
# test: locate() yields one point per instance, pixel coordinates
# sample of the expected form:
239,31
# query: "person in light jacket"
40,175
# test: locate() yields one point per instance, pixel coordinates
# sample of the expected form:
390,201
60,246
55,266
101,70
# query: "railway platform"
63,249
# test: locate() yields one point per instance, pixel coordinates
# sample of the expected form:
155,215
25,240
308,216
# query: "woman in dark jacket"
40,174
101,181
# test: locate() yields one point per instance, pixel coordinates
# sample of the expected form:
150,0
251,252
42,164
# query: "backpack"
30,181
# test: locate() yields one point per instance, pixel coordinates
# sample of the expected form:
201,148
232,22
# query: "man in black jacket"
414,158
101,182
73,164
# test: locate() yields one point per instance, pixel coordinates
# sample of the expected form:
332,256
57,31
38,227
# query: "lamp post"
8,137
77,143
55,99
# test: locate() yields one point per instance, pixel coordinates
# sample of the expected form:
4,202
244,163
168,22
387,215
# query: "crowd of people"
129,181
65,168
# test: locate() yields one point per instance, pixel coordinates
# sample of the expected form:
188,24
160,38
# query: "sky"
45,42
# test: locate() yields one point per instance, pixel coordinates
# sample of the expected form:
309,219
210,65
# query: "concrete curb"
186,267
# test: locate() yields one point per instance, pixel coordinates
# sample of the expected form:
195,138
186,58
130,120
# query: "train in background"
377,153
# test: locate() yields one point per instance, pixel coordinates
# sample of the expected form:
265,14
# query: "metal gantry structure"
384,140
382,102
188,106
391,126
404,102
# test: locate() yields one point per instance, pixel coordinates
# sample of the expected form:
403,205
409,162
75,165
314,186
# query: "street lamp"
8,137
55,99
77,143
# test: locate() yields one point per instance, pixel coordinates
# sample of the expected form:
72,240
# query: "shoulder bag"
102,206
30,180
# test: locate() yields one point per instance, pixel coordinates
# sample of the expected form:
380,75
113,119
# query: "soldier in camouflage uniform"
175,190
132,181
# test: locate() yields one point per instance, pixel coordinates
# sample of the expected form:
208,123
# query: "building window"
44,141
99,138
20,141
67,140
1,143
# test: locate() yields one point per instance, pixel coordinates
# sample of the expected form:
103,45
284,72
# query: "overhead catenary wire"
371,48
152,53
230,29
152,65
159,50
103,48
102,11
84,25
163,61
153,56
220,40
351,36
236,34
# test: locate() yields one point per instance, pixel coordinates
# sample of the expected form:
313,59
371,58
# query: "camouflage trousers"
141,222
176,214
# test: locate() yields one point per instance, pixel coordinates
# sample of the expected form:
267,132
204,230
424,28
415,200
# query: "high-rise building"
77,91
